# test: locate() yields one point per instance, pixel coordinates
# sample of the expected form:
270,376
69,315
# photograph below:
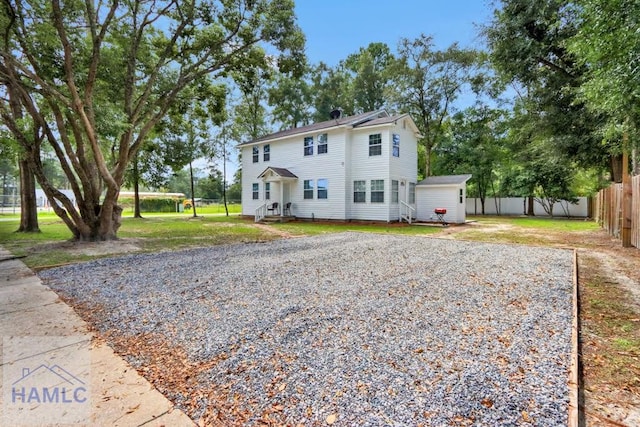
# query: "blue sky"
337,28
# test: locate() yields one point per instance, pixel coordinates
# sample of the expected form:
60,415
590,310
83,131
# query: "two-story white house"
361,167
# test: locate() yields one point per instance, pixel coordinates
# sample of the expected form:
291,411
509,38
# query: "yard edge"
574,379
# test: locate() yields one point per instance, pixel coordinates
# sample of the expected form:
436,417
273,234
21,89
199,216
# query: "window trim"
363,191
323,143
307,189
375,144
395,145
325,195
395,191
308,146
376,191
412,193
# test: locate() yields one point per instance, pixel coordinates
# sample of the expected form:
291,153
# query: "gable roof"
445,180
371,118
282,172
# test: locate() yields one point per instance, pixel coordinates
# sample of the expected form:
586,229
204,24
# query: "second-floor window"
308,146
375,145
308,189
322,143
266,153
396,145
256,154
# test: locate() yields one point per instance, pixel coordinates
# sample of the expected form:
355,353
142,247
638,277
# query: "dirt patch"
273,230
111,247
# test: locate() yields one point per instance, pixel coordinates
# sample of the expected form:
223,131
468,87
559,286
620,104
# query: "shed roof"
445,180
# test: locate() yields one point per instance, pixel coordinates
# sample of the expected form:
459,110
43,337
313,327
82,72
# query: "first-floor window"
322,188
267,190
359,191
256,191
377,191
394,191
308,189
412,192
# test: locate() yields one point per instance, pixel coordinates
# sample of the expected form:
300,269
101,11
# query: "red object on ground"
440,211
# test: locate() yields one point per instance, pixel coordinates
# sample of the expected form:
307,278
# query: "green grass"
52,247
315,228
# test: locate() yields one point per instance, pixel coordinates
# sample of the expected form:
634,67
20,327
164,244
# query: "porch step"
270,219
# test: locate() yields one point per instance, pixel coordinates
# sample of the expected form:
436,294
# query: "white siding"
367,168
431,197
289,154
404,169
347,160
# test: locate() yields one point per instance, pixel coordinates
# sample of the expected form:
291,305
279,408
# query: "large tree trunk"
136,188
616,168
530,211
28,204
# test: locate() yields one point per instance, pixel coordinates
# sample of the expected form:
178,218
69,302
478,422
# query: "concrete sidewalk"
31,312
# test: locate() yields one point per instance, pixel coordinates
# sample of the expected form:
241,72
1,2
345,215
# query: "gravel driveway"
349,329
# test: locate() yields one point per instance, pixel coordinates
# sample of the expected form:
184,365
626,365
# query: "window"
308,189
322,187
256,191
396,145
377,191
394,191
322,143
375,145
308,146
359,191
461,196
266,152
256,154
267,190
412,193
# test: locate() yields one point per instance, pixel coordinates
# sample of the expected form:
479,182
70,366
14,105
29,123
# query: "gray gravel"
375,329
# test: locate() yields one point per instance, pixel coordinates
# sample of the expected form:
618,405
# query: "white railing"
261,212
406,212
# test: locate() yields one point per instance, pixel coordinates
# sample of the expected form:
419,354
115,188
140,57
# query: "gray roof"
445,180
359,120
285,173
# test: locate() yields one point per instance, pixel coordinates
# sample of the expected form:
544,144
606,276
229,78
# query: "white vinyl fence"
518,206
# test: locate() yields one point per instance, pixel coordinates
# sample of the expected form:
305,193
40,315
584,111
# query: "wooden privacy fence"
609,206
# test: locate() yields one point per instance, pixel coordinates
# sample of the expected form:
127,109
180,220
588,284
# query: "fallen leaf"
526,417
331,419
133,409
487,402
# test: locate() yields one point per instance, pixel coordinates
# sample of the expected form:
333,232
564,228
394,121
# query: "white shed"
448,192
